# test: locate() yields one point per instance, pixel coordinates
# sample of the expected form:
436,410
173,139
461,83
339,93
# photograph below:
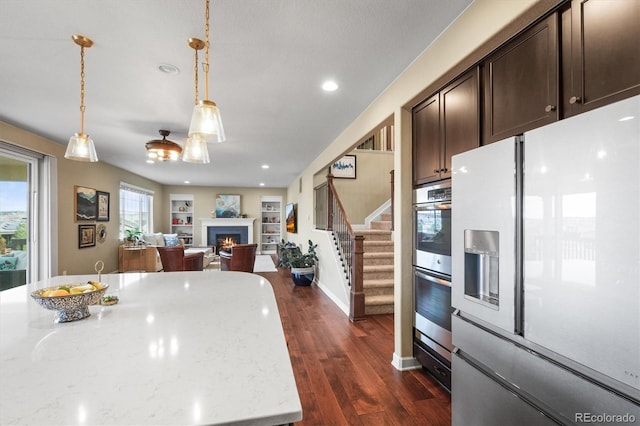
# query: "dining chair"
174,259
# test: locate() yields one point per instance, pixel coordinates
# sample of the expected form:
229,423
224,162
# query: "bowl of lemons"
71,301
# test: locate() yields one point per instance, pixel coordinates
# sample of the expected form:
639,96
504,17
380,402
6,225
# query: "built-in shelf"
181,214
270,223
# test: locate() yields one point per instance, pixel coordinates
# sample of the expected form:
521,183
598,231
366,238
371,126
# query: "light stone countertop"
179,348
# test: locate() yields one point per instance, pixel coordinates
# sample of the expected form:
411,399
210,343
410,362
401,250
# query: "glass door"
15,220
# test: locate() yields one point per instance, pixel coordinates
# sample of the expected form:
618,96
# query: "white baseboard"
344,308
406,363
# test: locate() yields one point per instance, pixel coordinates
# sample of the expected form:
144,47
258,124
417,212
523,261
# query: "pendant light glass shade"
81,148
206,122
195,150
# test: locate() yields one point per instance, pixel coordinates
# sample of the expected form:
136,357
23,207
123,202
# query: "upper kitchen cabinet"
521,82
426,140
444,125
601,53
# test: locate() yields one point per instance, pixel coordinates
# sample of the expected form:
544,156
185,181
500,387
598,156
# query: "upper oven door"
432,236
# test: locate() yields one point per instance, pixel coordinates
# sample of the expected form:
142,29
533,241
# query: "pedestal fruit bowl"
71,301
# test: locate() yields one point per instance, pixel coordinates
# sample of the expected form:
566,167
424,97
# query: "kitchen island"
179,348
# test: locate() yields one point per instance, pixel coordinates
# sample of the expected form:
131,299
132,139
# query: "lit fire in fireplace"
228,243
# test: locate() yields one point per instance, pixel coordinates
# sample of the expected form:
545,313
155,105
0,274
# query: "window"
136,209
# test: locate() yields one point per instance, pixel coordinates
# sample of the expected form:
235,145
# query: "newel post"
356,310
330,202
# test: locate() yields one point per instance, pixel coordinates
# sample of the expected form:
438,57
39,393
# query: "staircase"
378,267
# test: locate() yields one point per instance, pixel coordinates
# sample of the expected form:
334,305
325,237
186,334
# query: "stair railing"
350,249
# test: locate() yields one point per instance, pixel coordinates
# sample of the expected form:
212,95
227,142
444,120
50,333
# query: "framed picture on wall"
103,206
228,206
85,203
344,168
86,236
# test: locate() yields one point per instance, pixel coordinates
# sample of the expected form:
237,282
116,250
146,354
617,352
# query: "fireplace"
239,229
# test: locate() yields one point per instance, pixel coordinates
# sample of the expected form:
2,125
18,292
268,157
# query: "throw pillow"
159,239
8,263
171,240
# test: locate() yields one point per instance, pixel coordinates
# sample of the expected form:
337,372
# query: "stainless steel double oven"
432,279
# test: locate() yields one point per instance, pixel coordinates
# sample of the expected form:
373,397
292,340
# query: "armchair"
174,259
241,258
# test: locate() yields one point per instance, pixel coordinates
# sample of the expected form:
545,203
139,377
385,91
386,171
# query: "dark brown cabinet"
521,82
601,53
444,125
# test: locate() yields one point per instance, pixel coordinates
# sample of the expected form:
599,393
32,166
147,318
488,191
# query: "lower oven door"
432,296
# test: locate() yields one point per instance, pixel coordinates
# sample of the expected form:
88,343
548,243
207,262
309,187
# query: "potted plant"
303,265
132,235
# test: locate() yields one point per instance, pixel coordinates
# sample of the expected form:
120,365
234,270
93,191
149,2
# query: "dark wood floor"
343,370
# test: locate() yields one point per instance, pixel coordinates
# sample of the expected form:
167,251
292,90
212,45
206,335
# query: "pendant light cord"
82,90
195,68
206,63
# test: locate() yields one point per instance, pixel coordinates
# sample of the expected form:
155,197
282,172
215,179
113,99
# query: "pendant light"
206,120
163,149
195,147
80,147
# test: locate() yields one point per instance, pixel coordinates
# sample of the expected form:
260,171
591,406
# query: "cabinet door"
521,82
426,141
460,118
603,53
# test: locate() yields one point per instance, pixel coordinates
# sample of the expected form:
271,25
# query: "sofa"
152,261
13,269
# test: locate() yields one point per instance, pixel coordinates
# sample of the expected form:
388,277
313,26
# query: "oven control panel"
439,194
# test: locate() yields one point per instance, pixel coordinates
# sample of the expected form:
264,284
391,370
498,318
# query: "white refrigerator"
546,274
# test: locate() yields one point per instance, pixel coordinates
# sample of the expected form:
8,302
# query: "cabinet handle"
550,108
440,370
444,170
436,171
575,100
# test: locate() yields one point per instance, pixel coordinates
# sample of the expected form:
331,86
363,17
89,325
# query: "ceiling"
268,61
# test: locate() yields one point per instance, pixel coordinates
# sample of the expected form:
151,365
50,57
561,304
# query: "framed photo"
344,168
85,203
103,206
86,236
228,206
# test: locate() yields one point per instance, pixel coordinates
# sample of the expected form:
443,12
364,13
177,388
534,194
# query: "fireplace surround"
212,229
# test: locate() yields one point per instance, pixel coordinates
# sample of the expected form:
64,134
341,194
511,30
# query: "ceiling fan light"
195,150
206,122
163,150
81,148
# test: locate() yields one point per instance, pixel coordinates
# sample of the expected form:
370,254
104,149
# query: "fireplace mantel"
205,223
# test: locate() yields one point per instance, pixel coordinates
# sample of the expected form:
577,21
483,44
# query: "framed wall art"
103,206
344,168
228,206
86,236
85,203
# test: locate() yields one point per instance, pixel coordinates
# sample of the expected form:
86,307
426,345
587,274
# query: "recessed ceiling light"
265,166
329,86
150,161
261,183
169,69
187,182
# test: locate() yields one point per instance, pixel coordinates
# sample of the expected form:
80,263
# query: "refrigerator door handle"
518,326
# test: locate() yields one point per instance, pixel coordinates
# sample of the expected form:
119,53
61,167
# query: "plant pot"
303,276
